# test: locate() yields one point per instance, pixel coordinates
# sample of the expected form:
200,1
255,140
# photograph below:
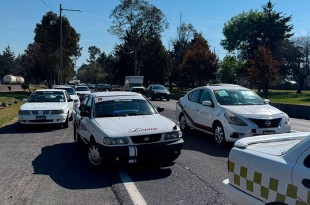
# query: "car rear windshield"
82,89
159,87
126,107
47,96
70,91
237,97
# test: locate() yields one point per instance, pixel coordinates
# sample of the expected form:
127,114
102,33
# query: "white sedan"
71,92
49,106
229,112
124,127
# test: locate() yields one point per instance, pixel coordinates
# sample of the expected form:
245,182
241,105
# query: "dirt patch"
4,88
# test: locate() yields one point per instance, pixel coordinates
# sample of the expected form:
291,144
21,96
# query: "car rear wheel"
167,98
219,134
183,125
94,155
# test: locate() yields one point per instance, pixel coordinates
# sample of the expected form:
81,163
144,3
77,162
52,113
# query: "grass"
7,114
287,97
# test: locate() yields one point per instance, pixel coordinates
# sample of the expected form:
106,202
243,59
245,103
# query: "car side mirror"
160,109
70,100
207,103
85,114
267,101
25,100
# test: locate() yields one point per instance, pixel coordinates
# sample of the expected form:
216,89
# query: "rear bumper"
237,196
157,152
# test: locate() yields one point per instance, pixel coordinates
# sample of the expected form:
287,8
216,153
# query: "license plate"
41,118
269,132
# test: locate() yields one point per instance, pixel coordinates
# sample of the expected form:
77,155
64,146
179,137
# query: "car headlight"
115,141
58,111
24,112
233,119
287,119
173,135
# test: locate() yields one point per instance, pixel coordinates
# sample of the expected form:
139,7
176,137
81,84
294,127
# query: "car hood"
135,125
254,110
43,106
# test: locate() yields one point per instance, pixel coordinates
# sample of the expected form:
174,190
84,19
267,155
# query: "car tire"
168,98
219,134
94,155
77,137
71,117
66,123
183,124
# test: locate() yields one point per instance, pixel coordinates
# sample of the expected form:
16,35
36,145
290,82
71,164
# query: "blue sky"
18,19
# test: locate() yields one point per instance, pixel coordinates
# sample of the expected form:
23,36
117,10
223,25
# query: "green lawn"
287,97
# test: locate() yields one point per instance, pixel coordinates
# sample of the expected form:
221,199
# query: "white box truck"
134,84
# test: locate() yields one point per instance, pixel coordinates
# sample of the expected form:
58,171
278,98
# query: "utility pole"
60,12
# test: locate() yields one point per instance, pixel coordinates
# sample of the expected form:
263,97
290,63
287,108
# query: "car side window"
205,96
307,161
194,96
83,105
67,95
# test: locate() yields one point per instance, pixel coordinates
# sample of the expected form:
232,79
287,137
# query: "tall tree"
249,30
47,41
264,69
7,63
199,63
135,21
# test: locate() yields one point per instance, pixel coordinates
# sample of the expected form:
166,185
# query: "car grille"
146,138
36,112
265,123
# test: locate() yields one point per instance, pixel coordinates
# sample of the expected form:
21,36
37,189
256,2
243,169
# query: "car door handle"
306,182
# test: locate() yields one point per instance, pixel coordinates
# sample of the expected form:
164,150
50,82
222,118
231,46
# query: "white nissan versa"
229,112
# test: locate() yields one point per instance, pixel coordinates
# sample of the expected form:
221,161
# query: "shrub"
25,86
9,87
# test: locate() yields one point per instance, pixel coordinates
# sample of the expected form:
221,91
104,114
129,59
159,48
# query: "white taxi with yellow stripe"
272,169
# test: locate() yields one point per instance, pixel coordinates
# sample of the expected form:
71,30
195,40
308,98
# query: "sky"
18,19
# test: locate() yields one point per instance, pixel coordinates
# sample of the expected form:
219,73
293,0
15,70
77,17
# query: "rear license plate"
269,132
41,118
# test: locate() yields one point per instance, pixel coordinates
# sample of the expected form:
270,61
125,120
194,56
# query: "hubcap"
219,134
94,155
183,123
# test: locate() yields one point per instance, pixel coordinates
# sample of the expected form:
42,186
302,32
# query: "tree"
249,30
199,63
231,70
46,45
135,21
7,62
264,69
185,34
299,67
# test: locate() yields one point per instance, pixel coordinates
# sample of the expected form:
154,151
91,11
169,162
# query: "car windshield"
159,87
70,91
237,97
47,96
82,89
126,107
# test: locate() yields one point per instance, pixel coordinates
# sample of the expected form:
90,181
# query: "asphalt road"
42,165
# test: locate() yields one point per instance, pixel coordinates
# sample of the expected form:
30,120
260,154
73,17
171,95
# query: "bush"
25,86
9,87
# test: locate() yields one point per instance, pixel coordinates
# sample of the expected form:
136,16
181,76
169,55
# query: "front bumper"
155,152
44,119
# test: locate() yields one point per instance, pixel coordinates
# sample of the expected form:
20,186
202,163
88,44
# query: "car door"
80,120
204,114
191,105
301,176
86,120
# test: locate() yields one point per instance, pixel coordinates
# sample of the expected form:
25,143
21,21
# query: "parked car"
48,106
229,112
92,87
273,169
117,88
81,91
157,91
71,92
124,127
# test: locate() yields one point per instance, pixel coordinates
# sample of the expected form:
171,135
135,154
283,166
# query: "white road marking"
131,188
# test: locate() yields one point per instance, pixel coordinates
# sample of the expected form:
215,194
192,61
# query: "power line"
47,5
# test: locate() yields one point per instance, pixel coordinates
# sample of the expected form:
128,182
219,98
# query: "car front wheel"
183,125
219,134
94,155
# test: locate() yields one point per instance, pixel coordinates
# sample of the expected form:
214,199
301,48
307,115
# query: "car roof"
49,90
224,86
62,86
115,94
